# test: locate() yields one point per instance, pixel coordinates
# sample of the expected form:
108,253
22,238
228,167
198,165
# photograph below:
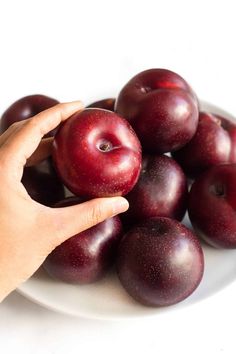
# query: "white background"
89,49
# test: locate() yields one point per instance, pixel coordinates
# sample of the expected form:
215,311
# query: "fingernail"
120,205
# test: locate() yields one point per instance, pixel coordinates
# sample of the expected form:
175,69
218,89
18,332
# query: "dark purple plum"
214,143
87,256
26,107
43,184
162,109
160,262
212,206
160,191
107,103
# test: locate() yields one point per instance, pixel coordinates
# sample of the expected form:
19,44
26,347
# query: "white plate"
107,299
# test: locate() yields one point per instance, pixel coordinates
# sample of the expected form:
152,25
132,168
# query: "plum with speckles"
87,256
160,262
160,191
107,103
214,143
26,107
212,206
161,107
97,154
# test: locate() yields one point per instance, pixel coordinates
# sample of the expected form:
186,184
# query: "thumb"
69,221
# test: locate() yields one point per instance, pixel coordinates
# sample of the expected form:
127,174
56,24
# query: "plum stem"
105,146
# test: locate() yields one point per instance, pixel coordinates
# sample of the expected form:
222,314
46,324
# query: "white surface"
77,49
29,329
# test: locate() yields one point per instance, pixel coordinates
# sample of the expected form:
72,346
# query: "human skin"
29,231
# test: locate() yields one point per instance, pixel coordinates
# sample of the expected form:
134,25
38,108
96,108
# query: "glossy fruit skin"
214,143
162,109
161,190
160,262
107,103
43,184
26,107
230,126
212,206
97,154
85,257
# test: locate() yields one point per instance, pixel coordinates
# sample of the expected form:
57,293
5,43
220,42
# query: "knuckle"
38,127
17,125
97,214
13,126
59,107
33,122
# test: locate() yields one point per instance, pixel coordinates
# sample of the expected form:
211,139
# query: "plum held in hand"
160,262
85,257
162,109
43,184
214,143
107,103
212,206
97,154
25,108
160,191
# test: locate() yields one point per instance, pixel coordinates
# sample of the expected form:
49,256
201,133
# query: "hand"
29,231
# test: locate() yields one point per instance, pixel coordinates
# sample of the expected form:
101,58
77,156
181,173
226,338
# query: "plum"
107,103
160,262
97,154
214,143
162,109
160,191
87,256
26,107
212,206
42,183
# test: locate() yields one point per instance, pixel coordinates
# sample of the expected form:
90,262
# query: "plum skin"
161,190
212,206
27,107
42,183
107,103
214,143
162,109
97,154
160,262
86,257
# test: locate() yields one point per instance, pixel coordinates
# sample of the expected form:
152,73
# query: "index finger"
42,152
21,145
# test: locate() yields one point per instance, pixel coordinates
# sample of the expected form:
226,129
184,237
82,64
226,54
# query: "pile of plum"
122,147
